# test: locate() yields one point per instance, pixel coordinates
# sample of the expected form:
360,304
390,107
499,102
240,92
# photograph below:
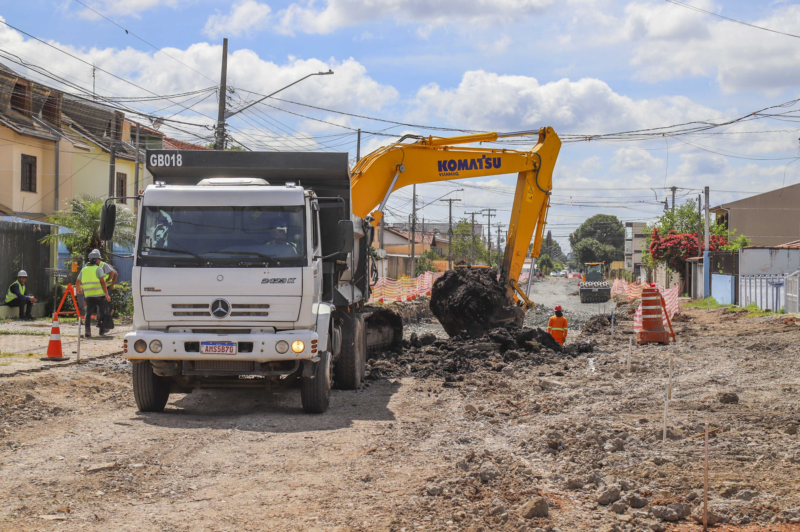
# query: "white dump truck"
250,271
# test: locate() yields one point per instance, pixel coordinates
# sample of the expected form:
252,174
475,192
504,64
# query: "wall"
767,219
767,260
723,288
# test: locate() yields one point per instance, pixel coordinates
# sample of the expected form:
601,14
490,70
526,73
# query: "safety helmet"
22,273
558,307
95,254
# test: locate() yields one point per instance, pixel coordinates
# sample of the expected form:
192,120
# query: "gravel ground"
566,444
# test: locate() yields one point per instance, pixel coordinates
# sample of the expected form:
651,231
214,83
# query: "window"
629,232
629,263
122,185
28,173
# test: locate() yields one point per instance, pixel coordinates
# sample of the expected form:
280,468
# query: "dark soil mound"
461,355
472,302
598,324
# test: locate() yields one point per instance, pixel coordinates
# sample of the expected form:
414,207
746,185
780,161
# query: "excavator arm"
433,159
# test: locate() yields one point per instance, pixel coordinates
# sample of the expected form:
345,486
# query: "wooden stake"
612,324
630,348
705,483
666,403
669,390
79,338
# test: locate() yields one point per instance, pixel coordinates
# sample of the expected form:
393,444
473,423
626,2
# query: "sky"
584,67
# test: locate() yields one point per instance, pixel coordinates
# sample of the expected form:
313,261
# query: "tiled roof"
175,144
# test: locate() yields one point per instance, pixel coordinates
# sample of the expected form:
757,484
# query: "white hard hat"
95,254
22,273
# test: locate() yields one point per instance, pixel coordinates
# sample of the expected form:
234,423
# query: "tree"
553,248
674,248
424,263
591,250
600,238
83,221
544,263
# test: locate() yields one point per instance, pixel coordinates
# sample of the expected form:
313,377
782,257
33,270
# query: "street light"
229,114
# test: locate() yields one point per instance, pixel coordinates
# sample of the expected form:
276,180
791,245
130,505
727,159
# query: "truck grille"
223,365
191,306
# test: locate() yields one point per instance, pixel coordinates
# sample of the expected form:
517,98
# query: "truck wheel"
315,392
351,365
150,391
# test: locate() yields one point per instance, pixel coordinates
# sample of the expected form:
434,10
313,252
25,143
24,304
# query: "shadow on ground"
272,412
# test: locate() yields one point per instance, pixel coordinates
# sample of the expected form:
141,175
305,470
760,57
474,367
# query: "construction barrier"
670,296
387,290
652,318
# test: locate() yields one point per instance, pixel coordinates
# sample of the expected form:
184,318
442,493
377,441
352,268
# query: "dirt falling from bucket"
472,302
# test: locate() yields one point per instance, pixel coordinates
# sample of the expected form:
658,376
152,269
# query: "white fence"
765,291
793,292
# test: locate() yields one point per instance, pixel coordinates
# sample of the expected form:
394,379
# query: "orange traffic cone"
652,319
54,353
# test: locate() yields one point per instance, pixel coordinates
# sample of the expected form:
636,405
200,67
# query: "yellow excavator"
433,159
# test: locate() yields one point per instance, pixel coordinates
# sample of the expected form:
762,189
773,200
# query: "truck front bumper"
182,346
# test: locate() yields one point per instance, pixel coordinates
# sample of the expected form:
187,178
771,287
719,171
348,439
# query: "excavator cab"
593,289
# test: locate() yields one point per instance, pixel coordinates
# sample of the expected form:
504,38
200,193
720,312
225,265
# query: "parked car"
563,273
554,273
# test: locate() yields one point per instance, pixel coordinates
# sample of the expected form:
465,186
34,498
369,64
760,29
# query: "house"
767,219
634,243
397,242
36,151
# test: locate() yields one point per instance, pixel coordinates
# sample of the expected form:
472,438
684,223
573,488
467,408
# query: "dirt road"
420,454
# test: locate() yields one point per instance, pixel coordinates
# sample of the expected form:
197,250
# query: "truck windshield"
223,236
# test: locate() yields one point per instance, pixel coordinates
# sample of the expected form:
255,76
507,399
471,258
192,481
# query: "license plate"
218,348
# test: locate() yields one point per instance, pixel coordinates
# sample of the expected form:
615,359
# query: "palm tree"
83,221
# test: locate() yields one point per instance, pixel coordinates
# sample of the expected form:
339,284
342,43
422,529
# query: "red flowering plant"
674,248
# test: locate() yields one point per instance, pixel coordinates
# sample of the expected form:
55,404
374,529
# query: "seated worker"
16,296
557,326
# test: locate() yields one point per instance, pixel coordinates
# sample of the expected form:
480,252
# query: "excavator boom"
434,159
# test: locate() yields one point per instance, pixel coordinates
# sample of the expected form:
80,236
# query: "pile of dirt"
626,309
597,324
472,302
424,355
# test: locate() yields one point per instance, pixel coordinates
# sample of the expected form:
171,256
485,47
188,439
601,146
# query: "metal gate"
763,291
793,292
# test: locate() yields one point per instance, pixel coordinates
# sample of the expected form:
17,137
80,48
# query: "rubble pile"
472,302
426,355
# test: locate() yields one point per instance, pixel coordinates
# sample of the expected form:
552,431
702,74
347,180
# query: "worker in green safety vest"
16,296
92,284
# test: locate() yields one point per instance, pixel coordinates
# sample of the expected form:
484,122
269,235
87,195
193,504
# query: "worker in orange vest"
557,326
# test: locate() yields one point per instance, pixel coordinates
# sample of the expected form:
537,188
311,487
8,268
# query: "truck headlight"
155,346
139,346
298,346
282,346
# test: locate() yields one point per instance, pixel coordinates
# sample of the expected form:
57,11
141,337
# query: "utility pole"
413,227
136,167
673,198
450,233
498,243
472,238
112,157
219,144
699,218
489,232
358,147
706,261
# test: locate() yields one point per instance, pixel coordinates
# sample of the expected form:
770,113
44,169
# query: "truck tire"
315,392
352,361
150,391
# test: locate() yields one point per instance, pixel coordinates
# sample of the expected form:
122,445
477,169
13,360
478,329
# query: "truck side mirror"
108,219
346,238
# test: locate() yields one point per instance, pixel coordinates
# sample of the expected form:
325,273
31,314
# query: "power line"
693,8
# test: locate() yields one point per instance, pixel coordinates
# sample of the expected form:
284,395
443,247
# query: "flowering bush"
674,248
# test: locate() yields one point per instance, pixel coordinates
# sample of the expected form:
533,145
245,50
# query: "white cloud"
126,8
675,42
635,160
350,89
497,47
245,17
327,16
695,164
489,101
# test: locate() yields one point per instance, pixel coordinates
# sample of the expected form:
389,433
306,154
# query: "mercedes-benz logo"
220,308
